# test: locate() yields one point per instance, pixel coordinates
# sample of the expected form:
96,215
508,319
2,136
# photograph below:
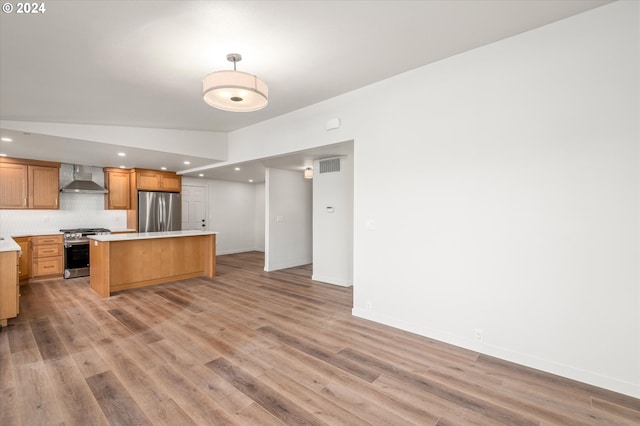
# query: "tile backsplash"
76,211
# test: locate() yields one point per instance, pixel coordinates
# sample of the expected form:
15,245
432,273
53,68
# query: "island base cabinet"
121,265
9,286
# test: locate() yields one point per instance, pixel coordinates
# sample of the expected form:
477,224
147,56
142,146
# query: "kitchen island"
124,261
9,288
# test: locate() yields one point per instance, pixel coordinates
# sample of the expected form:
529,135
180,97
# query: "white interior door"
194,207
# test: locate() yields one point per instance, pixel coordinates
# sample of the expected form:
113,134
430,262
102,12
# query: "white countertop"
148,235
8,244
35,233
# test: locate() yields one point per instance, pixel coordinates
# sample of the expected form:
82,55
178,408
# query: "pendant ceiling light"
235,90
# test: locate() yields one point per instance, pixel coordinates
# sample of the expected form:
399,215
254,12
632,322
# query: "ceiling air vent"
329,165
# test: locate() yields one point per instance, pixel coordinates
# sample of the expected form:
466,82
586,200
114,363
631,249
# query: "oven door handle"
76,243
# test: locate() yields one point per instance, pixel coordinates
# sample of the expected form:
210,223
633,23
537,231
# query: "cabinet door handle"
24,202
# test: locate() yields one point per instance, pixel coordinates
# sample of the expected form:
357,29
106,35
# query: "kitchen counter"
35,233
7,244
124,261
149,235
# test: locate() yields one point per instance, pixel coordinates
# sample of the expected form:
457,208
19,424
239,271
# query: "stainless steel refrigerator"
159,211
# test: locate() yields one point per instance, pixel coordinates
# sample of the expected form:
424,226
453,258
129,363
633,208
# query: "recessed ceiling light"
2,154
187,162
123,167
200,175
122,154
6,139
163,168
237,169
251,180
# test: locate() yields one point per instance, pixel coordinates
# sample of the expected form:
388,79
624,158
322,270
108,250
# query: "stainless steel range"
76,250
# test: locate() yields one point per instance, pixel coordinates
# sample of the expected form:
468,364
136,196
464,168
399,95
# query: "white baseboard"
286,264
332,280
221,253
589,377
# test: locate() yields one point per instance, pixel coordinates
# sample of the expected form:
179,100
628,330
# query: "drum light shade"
235,90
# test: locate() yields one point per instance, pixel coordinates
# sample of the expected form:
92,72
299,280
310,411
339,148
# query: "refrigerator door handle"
161,219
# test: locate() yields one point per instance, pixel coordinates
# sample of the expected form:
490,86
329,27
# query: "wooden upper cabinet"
152,180
29,184
44,187
117,182
171,183
13,186
148,180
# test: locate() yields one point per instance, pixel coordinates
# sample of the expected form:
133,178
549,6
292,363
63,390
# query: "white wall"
333,228
231,212
499,189
288,220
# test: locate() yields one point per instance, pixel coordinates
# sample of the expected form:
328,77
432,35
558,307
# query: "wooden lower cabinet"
46,256
47,266
9,286
24,266
130,263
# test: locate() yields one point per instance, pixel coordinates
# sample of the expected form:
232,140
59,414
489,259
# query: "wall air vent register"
329,165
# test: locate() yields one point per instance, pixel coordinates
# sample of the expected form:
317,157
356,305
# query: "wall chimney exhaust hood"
82,183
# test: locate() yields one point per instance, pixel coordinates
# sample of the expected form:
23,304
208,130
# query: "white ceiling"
140,63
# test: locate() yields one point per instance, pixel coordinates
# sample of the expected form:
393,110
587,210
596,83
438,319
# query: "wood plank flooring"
252,347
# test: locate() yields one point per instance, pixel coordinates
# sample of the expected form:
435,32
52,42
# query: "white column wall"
288,236
499,190
333,224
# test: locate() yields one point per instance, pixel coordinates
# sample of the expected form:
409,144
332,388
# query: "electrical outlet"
369,305
479,335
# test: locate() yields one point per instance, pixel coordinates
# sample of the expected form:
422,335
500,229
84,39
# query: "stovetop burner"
80,234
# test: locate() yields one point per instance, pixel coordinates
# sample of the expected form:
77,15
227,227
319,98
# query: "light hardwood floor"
251,348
